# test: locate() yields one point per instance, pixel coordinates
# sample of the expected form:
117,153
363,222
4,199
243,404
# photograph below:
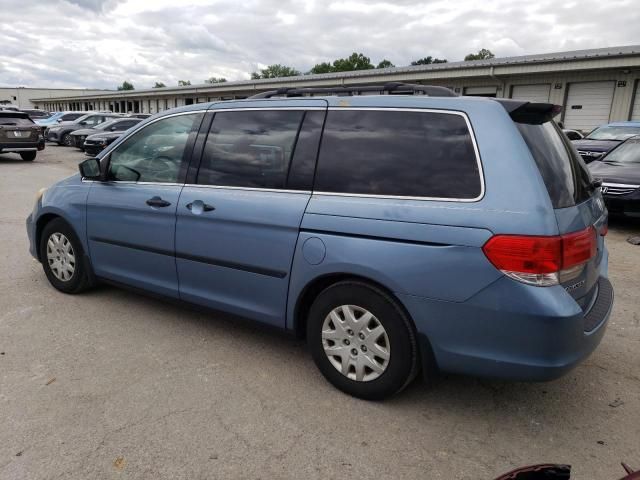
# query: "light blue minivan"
400,228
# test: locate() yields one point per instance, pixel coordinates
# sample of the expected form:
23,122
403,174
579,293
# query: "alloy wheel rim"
60,257
67,140
356,343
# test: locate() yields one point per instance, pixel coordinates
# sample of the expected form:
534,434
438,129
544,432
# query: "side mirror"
83,122
90,169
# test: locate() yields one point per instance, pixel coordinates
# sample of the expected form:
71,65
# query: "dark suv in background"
18,134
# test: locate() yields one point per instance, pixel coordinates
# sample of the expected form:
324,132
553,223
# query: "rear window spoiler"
528,112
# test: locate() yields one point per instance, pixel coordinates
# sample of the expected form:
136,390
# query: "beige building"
21,96
594,86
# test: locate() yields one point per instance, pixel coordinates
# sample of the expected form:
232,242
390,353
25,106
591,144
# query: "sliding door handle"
157,202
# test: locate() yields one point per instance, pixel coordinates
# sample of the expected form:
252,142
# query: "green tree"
428,61
184,83
126,86
159,85
215,80
324,67
483,54
385,64
355,61
275,71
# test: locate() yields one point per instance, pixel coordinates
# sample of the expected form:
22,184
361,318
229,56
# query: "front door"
131,216
238,225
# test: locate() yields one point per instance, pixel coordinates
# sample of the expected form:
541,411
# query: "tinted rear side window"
563,171
403,153
250,149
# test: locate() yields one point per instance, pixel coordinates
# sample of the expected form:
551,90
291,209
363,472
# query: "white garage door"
635,110
532,93
588,105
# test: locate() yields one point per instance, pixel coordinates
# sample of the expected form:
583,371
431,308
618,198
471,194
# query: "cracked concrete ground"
111,384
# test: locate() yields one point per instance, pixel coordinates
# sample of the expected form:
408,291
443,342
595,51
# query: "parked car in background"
573,134
61,133
97,142
399,233
19,134
58,117
35,114
116,125
619,171
605,138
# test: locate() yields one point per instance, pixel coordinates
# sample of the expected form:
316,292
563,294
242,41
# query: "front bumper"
78,141
627,205
31,233
52,136
509,331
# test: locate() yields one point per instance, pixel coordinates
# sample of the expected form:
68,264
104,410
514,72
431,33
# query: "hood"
109,135
595,145
74,179
609,173
84,131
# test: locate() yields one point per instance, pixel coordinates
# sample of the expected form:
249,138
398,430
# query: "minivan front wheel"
362,341
61,255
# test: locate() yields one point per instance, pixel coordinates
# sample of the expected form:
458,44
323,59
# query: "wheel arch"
314,287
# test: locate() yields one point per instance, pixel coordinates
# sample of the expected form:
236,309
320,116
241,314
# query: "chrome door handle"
157,202
200,205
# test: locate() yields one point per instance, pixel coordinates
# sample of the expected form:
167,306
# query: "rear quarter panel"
423,248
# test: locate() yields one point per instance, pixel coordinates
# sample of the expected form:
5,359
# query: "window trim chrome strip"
322,193
249,189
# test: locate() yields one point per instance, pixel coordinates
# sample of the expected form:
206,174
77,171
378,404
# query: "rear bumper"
511,331
18,147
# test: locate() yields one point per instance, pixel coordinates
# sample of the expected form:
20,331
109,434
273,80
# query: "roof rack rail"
392,88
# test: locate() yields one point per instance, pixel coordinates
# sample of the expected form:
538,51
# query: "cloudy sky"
100,43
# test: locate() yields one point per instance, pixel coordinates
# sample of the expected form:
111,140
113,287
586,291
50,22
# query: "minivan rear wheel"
362,341
62,257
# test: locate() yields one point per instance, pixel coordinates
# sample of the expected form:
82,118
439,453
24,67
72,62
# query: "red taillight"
516,253
539,260
578,247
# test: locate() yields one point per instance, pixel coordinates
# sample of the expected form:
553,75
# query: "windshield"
13,121
613,133
628,152
78,119
105,125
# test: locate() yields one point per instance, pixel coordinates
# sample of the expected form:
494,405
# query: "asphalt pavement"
112,384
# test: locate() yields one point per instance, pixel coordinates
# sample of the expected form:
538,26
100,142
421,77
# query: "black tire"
66,140
80,279
28,156
402,365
